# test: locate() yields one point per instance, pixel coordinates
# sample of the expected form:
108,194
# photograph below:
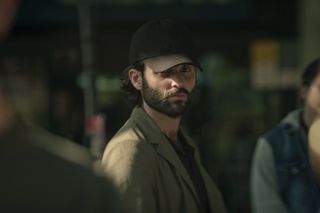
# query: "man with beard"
151,160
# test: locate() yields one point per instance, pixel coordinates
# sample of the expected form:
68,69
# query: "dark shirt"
186,155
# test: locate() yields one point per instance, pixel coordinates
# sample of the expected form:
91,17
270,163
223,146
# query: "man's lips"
179,95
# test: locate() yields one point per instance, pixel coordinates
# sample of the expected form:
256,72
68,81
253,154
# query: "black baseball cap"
160,39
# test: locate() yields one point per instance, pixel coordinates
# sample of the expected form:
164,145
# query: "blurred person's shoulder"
59,146
37,164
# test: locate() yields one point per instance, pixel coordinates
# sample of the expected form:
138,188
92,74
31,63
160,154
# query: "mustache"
181,90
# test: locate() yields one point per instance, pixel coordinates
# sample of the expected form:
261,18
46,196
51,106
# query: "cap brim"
165,62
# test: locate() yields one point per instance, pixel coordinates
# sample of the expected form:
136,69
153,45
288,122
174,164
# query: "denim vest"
296,181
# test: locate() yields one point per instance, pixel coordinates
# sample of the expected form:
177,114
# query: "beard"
159,100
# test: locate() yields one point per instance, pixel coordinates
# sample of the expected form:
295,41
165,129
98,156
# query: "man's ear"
135,78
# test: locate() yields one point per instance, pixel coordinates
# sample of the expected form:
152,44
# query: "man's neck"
169,126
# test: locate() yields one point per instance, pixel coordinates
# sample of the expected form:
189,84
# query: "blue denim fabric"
295,177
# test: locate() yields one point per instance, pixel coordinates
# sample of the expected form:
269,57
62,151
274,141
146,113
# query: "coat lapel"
168,153
162,145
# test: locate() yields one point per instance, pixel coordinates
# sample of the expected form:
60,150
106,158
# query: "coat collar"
153,135
292,119
293,123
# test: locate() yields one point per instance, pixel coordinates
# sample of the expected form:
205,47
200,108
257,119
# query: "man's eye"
186,69
167,71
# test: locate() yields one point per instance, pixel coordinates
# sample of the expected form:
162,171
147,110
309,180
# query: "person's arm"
128,166
265,196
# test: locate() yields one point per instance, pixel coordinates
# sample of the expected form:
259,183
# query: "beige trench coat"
149,174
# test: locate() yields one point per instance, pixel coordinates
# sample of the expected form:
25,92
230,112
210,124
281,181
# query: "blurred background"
67,55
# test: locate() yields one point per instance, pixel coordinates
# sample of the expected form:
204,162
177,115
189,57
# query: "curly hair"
133,96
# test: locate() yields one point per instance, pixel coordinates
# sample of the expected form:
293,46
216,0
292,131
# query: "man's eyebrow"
166,71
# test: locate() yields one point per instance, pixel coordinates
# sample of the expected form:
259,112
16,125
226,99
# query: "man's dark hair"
311,72
132,95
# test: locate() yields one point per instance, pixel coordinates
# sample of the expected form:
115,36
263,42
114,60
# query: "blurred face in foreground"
7,15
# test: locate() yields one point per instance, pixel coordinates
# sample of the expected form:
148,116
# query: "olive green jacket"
149,174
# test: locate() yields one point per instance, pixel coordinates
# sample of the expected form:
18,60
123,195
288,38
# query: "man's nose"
177,80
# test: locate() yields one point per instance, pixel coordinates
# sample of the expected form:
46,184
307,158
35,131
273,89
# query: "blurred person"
151,159
282,179
41,172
